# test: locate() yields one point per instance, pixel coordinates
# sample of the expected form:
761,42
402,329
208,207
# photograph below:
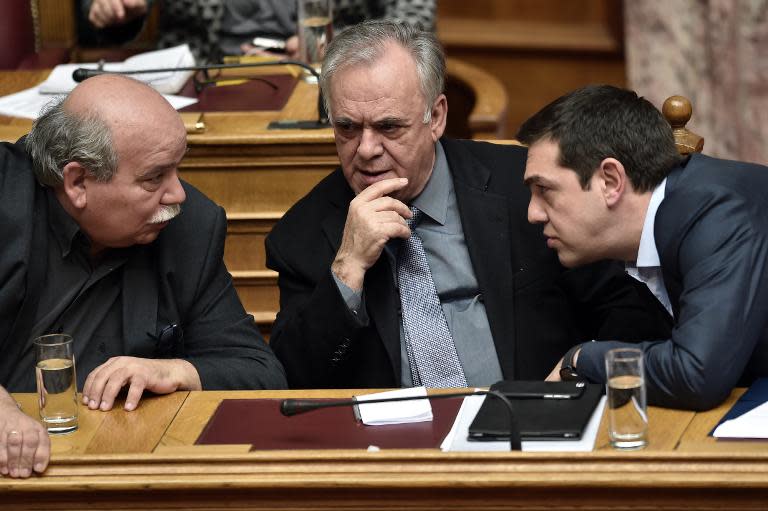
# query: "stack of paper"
396,412
169,82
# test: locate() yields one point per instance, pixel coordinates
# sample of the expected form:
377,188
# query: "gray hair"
363,44
59,137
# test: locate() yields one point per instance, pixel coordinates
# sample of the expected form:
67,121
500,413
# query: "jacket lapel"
485,220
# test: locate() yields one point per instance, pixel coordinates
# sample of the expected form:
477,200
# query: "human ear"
74,184
439,116
613,180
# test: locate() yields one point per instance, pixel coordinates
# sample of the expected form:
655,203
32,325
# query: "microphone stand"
291,407
81,74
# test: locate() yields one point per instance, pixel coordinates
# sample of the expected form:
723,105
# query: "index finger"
382,188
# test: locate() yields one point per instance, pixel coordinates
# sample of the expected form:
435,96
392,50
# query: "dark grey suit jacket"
536,310
712,237
179,278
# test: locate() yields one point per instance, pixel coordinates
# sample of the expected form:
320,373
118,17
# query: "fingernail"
25,472
92,404
85,399
130,406
38,467
104,406
14,472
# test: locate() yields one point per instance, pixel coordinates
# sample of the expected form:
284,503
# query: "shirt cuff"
353,299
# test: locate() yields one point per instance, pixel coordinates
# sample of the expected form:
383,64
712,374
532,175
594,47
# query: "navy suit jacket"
536,309
711,233
179,278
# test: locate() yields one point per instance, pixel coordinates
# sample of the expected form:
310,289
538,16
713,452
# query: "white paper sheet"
29,103
456,440
60,80
753,424
397,412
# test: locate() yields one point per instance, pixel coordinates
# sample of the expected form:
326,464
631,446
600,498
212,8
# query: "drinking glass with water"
315,30
627,414
56,382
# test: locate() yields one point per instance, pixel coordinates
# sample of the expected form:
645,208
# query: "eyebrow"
159,169
397,121
538,180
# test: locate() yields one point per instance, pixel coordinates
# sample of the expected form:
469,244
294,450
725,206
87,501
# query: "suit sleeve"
315,329
221,340
717,249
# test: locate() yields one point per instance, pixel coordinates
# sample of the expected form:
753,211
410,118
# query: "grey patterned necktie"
429,344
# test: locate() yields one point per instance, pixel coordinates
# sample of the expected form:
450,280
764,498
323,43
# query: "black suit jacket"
711,234
179,278
536,310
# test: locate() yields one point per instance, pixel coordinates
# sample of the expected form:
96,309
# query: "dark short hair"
601,121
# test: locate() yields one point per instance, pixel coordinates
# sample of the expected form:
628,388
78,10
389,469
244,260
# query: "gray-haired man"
91,248
474,295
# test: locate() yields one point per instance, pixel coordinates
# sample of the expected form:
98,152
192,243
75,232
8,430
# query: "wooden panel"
56,28
256,188
539,49
244,249
478,102
258,290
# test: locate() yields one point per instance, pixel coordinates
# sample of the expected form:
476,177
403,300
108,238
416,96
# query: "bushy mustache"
165,213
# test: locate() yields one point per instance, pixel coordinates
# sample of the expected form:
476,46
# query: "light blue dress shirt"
457,287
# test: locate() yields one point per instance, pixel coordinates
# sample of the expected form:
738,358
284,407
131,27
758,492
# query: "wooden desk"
146,459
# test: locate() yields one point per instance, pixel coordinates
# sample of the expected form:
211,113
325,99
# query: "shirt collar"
433,199
64,227
648,254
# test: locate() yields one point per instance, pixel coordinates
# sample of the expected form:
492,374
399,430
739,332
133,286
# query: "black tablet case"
537,419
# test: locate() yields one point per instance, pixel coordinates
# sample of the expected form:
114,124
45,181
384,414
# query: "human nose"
175,193
370,144
536,214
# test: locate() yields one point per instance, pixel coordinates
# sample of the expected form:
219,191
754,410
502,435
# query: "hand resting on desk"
24,442
158,376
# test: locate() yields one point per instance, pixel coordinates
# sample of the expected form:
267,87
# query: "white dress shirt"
647,268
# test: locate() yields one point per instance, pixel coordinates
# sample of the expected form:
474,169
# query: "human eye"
153,181
389,127
345,127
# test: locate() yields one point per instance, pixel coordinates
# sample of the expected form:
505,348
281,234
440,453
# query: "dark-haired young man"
606,182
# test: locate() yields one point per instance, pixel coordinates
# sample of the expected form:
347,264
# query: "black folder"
538,418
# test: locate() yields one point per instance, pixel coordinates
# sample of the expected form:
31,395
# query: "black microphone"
290,407
81,74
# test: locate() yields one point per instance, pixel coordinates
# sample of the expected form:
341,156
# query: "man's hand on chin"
372,220
160,376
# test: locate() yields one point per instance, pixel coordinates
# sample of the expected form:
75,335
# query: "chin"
570,260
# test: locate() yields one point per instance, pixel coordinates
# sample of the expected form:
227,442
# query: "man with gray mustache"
96,245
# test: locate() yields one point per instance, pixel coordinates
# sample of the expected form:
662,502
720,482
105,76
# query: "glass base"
60,426
629,444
